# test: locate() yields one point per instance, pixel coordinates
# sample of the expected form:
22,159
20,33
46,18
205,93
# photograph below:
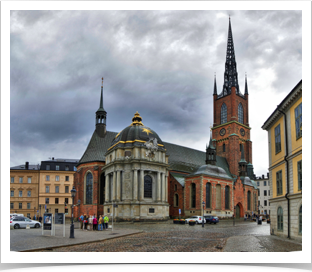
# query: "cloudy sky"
159,63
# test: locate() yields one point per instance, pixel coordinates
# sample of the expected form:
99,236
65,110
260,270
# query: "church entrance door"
237,211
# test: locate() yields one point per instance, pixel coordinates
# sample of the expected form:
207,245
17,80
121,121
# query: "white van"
16,214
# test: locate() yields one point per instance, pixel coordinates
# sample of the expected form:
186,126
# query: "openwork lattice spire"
230,74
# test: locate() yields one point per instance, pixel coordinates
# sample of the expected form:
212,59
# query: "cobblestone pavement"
169,237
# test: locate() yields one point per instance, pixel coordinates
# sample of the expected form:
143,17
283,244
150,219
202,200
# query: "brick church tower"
231,131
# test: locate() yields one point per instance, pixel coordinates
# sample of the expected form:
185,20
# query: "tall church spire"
230,74
100,117
215,86
246,87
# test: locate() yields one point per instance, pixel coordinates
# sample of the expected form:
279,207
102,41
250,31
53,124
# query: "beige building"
284,128
24,189
37,189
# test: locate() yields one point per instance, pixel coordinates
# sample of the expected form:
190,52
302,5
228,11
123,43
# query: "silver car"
22,222
198,219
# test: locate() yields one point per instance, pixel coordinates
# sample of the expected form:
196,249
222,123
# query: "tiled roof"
181,158
22,167
179,178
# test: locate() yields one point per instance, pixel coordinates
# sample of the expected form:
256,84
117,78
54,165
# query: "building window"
66,178
20,193
12,179
208,195
175,187
66,200
29,193
269,192
278,139
20,205
47,167
11,205
66,210
47,178
223,113
265,203
193,195
223,147
66,189
299,169
57,189
47,189
176,200
56,201
148,187
265,192
56,210
20,180
47,200
29,179
89,188
279,183
298,118
248,200
28,215
240,113
264,183
258,192
66,168
258,184
12,193
151,210
57,178
265,212
75,168
227,197
279,218
28,205
300,220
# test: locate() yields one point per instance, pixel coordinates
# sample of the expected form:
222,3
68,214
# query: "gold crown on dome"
137,120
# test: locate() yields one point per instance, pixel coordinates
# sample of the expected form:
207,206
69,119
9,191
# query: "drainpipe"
287,172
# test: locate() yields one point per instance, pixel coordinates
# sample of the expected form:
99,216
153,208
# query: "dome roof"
135,135
212,170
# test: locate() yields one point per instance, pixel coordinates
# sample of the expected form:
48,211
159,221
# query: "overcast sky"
159,63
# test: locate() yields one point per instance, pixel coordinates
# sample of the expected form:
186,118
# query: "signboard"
179,211
59,218
47,221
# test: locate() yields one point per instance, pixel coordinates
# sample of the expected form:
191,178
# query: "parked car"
21,222
198,219
211,219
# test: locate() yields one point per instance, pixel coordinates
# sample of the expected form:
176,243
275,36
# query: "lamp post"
203,223
234,214
73,193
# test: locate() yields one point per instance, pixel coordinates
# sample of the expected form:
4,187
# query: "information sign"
179,211
59,218
47,221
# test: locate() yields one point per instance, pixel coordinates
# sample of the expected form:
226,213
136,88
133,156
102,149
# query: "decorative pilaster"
114,186
141,189
118,186
135,185
163,187
107,179
158,190
166,188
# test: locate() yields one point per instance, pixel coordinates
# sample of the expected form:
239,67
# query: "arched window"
218,197
227,197
176,200
193,195
240,113
280,218
89,188
248,200
208,195
300,220
223,147
148,187
223,113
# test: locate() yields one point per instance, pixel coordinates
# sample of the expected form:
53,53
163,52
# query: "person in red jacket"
94,223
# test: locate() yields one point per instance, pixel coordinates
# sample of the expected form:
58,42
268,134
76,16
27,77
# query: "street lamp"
203,224
73,193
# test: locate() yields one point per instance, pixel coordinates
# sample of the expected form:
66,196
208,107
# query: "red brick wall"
174,211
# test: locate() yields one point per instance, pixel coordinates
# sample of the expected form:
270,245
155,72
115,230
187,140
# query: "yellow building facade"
284,128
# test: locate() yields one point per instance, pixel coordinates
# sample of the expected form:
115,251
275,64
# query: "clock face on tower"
242,131
222,132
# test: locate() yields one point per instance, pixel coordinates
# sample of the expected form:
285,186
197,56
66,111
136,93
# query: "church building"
138,177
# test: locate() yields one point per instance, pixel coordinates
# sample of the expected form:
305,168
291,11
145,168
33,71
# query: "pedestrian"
94,222
106,221
85,221
34,218
103,223
40,218
90,222
100,223
81,221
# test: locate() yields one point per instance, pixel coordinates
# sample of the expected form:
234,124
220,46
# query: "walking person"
100,223
85,221
95,222
40,218
103,223
106,221
81,222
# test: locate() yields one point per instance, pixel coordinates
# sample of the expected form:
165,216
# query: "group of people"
98,223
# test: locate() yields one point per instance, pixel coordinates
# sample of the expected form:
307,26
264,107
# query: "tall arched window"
223,147
248,200
227,197
89,188
300,220
176,200
193,195
223,113
240,113
280,218
208,195
218,197
148,193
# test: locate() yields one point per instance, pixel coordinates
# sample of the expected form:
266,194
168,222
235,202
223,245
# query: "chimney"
26,165
52,158
268,175
262,176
